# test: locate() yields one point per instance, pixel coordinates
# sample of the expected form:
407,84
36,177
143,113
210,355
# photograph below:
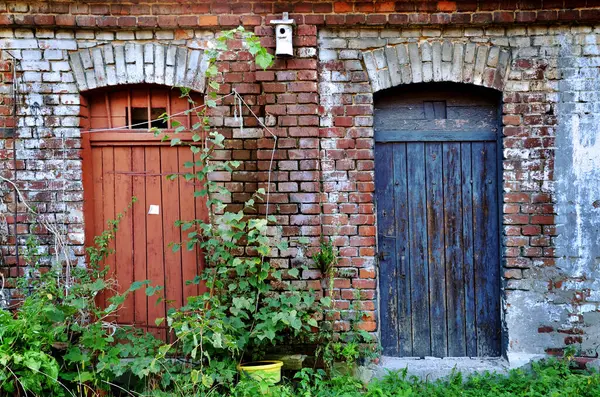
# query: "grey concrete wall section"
577,175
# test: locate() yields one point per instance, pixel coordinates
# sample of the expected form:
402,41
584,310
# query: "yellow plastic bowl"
268,371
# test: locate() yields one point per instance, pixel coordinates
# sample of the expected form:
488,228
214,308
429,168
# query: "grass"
549,378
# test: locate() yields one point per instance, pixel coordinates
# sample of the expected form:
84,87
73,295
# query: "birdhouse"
283,36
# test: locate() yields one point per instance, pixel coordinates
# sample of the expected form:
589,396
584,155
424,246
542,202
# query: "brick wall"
196,13
320,105
6,133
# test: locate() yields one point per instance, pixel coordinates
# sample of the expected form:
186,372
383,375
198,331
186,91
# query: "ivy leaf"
293,272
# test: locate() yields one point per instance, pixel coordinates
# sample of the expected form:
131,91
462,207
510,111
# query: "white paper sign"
154,209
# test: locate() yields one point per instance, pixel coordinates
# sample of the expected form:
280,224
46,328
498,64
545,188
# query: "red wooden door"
120,164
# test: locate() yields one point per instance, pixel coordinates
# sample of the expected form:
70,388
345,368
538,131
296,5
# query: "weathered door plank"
403,281
467,254
387,242
485,224
419,277
435,252
454,250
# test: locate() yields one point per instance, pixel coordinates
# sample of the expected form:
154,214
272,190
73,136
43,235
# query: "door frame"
499,140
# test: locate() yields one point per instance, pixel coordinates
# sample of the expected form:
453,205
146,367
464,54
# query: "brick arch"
133,63
473,63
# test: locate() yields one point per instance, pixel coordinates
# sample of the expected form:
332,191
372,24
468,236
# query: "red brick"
61,20
481,17
274,87
122,21
335,19
302,86
526,16
516,197
297,64
343,121
167,21
315,19
531,230
99,9
251,20
364,283
44,20
79,8
229,20
85,21
341,283
187,21
342,7
355,19
548,16
246,88
302,109
589,14
542,220
307,75
447,6
148,22
419,18
516,219
532,251
208,20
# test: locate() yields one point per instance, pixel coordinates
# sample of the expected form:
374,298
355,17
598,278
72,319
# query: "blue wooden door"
436,171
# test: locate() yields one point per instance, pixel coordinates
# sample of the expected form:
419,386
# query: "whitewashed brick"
415,63
127,35
54,54
479,65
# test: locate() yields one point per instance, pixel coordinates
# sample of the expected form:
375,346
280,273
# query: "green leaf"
163,350
293,272
74,355
326,301
138,284
33,360
54,314
263,59
152,290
